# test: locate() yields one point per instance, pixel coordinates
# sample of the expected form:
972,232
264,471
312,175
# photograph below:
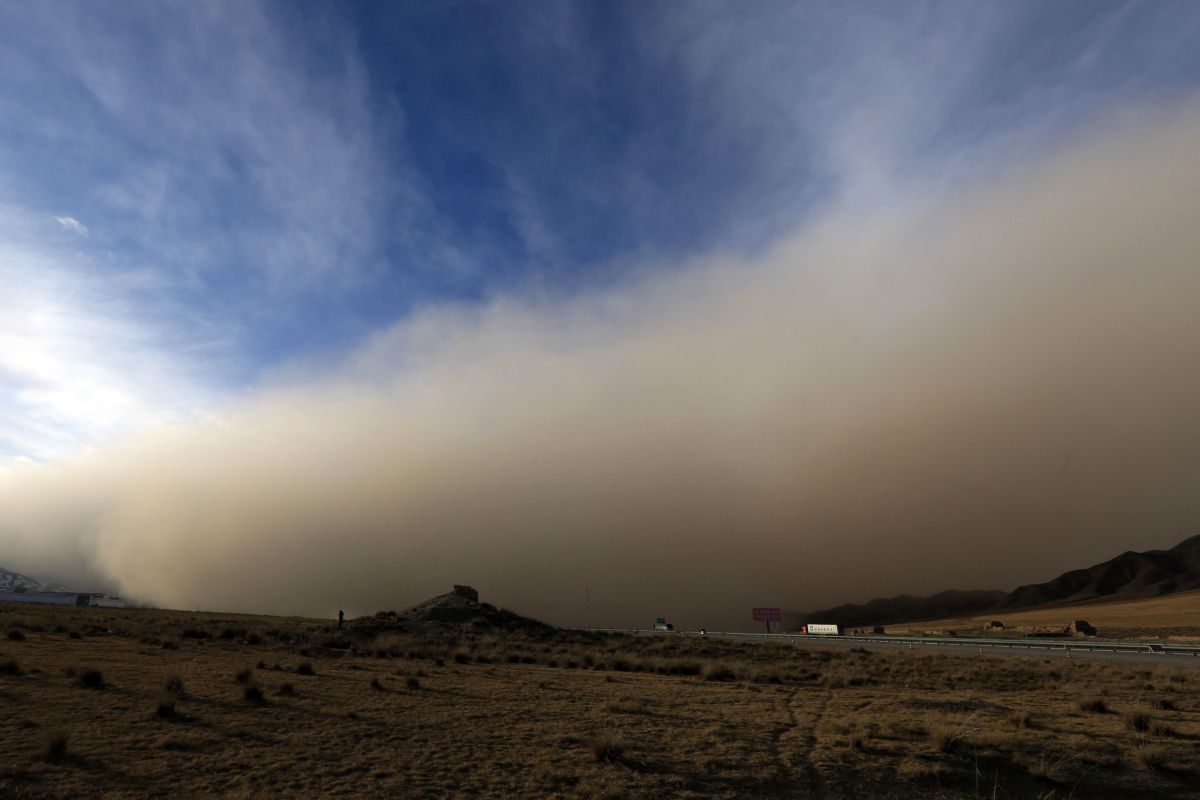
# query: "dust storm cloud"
975,393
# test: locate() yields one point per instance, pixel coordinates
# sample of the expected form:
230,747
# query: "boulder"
465,591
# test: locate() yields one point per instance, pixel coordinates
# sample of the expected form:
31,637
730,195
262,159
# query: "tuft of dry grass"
1154,757
166,706
253,695
56,744
856,736
173,685
1048,768
1136,721
1161,729
945,738
607,747
91,679
1021,720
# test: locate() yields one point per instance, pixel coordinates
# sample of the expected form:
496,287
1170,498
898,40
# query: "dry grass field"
1175,616
136,703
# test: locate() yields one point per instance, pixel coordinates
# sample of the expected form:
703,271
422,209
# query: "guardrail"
1031,643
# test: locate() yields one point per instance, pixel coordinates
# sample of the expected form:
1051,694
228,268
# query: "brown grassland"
1173,616
140,703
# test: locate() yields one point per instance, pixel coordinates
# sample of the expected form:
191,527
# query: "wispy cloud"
232,192
80,364
72,224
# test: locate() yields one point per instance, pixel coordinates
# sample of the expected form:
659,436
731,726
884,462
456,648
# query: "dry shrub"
173,685
306,668
244,676
91,679
1151,756
413,682
287,690
1136,721
377,686
1164,704
1094,706
607,747
16,636
9,666
166,706
56,744
253,695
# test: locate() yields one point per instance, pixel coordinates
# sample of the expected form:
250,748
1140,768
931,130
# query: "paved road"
1123,652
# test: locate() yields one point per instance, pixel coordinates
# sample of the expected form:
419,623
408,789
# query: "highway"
1119,651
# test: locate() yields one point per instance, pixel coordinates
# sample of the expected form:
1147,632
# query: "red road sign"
767,615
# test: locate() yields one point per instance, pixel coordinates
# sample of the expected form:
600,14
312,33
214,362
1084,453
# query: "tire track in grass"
801,775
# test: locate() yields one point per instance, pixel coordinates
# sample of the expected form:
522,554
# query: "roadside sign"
767,615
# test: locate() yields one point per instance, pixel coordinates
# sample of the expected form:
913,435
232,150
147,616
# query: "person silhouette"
341,617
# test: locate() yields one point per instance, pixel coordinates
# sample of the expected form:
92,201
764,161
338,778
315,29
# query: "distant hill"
16,582
1129,576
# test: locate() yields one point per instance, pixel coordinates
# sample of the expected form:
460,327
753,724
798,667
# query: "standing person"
341,617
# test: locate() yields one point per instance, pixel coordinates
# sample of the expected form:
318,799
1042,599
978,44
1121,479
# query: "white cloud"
72,224
80,364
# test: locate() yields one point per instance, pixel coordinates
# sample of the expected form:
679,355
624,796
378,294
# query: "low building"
85,599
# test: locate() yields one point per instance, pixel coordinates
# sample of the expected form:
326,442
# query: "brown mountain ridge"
1129,576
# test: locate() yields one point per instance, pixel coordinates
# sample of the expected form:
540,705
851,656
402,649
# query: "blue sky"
195,197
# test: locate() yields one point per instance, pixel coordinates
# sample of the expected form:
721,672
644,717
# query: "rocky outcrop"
459,608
